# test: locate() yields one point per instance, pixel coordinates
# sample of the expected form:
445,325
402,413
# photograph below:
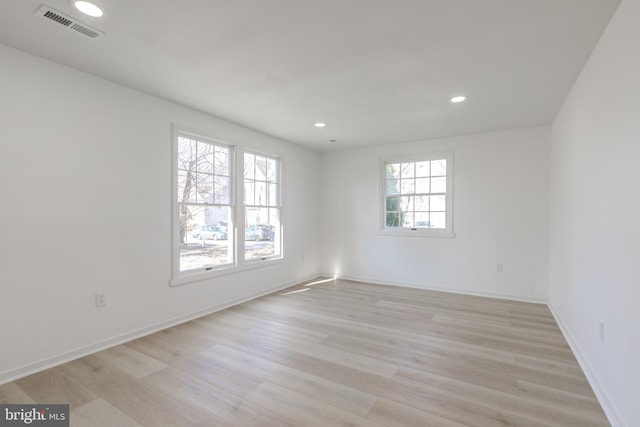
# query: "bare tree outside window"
204,203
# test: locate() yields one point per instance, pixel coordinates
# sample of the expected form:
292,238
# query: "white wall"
595,216
82,160
85,188
501,187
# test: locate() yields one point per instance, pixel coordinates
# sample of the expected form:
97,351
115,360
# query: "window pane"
393,219
422,204
204,239
393,171
438,220
406,203
439,185
204,188
393,204
406,219
261,168
222,191
249,166
422,169
205,157
186,187
407,170
422,220
393,186
221,161
407,186
261,233
272,196
439,167
186,154
249,193
422,185
272,170
261,193
257,217
437,203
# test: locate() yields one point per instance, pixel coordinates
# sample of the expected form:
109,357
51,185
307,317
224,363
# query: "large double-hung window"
226,218
204,203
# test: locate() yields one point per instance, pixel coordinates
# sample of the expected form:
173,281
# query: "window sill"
420,232
224,271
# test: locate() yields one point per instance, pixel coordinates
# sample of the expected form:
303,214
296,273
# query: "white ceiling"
376,71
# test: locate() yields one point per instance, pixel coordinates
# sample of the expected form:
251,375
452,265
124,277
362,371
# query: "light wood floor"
332,354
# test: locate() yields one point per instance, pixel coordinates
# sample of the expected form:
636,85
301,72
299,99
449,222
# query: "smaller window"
417,195
261,207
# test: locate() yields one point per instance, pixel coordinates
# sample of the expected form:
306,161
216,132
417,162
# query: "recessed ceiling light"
88,8
320,125
457,99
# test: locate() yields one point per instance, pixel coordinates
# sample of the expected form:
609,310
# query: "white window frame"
181,277
236,223
418,232
242,207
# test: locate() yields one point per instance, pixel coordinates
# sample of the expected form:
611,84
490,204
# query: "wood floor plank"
566,401
445,362
157,348
305,411
12,394
531,408
222,407
396,414
227,378
131,361
329,353
53,386
338,395
100,413
567,368
145,405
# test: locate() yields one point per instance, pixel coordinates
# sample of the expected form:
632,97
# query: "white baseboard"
601,394
512,297
50,362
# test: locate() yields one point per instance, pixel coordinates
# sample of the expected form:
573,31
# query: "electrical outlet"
101,300
500,268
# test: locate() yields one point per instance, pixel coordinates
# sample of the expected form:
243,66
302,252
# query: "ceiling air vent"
69,22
